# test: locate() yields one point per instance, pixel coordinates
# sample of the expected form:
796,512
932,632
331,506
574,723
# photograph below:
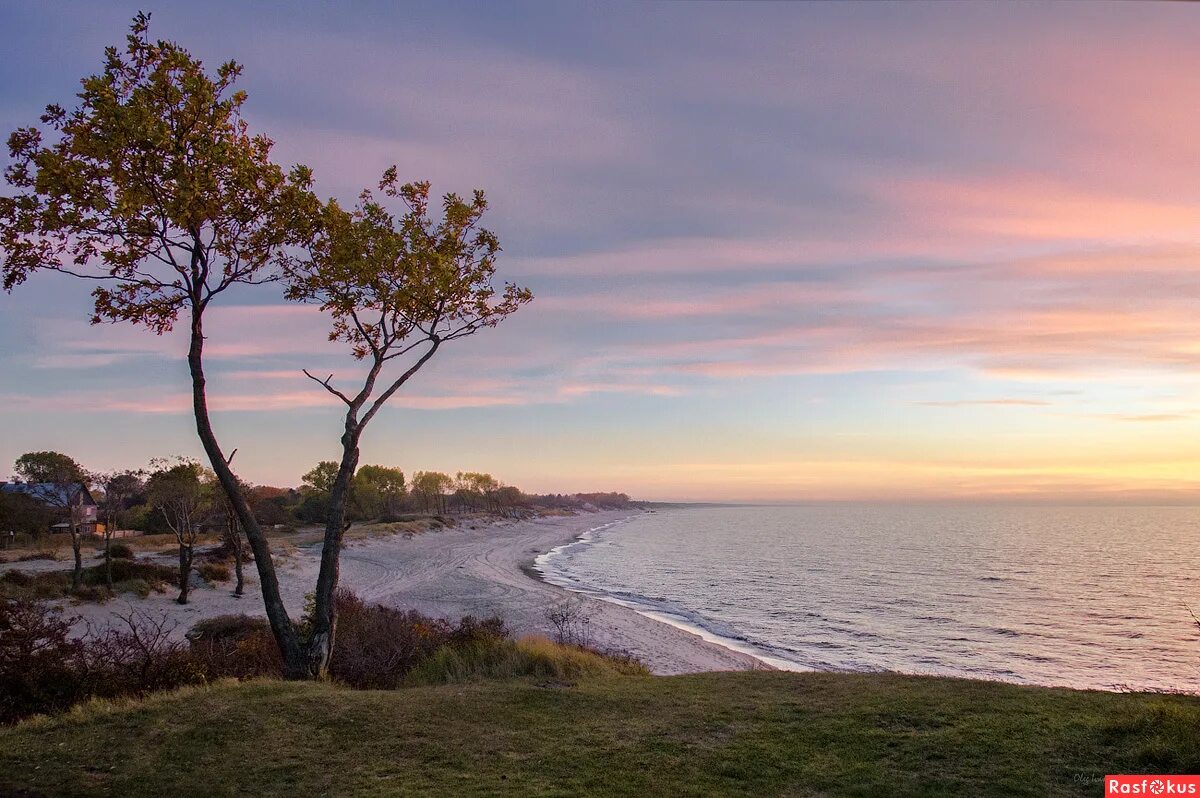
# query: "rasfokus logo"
1152,785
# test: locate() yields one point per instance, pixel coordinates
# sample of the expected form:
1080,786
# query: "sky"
780,252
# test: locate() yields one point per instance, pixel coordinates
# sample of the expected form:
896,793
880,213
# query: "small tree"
378,490
153,188
393,288
230,525
431,486
320,479
62,483
177,491
121,489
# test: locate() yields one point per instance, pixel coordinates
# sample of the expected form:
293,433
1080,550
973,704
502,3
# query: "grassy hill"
713,734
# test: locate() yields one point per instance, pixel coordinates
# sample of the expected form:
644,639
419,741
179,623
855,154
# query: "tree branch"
325,384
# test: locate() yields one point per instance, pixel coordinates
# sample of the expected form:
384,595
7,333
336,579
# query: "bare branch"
327,386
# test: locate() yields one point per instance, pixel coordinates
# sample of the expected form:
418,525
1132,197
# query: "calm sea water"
1093,597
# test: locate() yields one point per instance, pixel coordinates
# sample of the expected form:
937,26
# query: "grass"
751,734
504,658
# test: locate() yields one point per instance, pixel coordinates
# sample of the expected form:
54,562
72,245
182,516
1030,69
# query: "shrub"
125,570
17,578
224,628
139,587
45,585
97,593
41,667
376,646
571,621
529,657
214,572
139,656
44,554
120,551
235,645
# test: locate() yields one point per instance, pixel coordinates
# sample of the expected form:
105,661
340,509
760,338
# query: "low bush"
213,572
139,587
529,657
44,554
120,551
95,593
377,646
44,669
135,576
41,667
123,570
235,645
25,585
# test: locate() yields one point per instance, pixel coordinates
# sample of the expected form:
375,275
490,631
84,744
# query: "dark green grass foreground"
713,734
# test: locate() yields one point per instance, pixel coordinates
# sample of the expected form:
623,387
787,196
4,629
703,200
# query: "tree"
231,529
121,491
49,467
431,486
62,482
321,478
153,188
378,491
393,288
475,489
21,514
177,491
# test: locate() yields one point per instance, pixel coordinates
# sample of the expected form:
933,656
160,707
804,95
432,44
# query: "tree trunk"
76,546
108,557
237,570
323,623
185,572
294,666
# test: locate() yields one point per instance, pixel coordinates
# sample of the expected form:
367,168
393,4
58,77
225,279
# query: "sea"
1084,597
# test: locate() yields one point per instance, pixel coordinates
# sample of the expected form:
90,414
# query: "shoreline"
534,569
475,568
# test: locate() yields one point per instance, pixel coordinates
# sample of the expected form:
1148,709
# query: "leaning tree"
154,188
396,290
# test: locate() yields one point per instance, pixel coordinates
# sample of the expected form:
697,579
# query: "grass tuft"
529,657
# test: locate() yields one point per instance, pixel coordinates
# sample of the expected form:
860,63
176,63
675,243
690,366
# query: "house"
73,502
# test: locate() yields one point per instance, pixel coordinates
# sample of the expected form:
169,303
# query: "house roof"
51,493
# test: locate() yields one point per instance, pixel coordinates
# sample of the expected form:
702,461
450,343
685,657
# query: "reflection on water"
1082,596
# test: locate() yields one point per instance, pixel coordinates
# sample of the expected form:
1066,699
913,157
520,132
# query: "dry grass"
529,657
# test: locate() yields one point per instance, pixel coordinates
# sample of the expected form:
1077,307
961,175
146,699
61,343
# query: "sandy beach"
453,572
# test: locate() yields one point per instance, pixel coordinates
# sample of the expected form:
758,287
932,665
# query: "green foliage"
123,490
529,657
385,280
179,490
153,183
320,478
53,467
431,487
378,491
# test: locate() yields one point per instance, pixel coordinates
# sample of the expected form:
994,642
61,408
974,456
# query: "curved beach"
471,569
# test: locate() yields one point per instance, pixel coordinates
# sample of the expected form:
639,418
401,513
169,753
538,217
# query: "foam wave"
657,609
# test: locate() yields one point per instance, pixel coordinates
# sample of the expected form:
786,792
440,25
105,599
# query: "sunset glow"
819,252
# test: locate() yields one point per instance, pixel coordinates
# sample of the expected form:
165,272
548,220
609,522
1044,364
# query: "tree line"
180,497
